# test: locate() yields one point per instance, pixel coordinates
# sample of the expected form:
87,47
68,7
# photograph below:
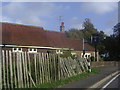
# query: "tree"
86,33
75,33
88,25
88,29
112,44
116,30
101,45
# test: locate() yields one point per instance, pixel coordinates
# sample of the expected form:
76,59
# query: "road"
114,82
92,79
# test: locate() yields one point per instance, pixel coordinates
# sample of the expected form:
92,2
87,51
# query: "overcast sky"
104,15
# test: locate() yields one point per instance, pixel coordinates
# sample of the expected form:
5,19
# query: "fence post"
0,69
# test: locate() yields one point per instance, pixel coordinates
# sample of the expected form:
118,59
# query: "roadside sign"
95,38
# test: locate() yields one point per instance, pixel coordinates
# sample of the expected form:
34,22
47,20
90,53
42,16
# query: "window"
86,55
59,52
31,50
17,49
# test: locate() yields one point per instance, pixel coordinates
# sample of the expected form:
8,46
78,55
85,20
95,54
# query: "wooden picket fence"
25,70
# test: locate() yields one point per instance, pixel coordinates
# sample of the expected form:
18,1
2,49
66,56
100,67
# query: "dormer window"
31,50
17,49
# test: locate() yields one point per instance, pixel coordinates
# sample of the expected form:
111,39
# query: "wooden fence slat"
61,71
43,67
38,72
46,67
35,68
40,67
31,79
29,65
18,71
65,68
14,70
24,72
26,68
71,65
3,65
45,75
50,67
59,68
45,70
55,67
7,67
11,71
48,72
64,71
21,72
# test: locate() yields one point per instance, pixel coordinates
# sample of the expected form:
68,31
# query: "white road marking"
96,85
111,81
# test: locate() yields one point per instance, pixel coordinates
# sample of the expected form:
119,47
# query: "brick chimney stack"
62,27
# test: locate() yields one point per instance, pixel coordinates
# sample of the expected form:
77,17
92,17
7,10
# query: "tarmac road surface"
114,82
92,79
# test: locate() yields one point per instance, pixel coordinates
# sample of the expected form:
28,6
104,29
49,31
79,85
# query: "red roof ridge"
21,24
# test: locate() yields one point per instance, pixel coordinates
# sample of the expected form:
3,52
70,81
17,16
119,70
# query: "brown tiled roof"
36,36
23,35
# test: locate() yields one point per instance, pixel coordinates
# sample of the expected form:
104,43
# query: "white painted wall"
31,50
59,51
86,55
16,49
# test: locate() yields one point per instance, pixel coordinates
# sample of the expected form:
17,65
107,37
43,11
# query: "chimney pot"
62,27
62,23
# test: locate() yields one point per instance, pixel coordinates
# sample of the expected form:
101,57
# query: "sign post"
95,41
83,48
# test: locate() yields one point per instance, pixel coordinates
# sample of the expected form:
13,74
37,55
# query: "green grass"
68,80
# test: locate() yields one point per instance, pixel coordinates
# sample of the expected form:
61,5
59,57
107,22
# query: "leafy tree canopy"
108,47
86,33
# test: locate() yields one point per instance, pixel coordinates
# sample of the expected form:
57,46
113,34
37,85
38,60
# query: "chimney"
62,27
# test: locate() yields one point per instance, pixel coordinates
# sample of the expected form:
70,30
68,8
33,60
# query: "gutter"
37,47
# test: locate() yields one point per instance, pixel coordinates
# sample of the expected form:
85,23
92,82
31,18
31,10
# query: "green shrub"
67,54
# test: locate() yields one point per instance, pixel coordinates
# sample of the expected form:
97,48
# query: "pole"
83,48
83,44
0,68
95,52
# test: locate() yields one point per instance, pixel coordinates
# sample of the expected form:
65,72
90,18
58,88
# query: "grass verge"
68,80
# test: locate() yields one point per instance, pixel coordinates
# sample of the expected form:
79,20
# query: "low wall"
105,63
